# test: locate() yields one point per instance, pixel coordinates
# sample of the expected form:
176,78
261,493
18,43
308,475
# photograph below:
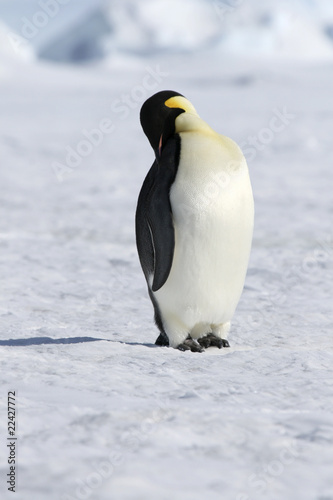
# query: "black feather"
155,236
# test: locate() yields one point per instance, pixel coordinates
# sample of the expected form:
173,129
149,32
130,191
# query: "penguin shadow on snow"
34,341
67,340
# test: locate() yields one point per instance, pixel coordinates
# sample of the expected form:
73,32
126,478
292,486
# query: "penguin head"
158,117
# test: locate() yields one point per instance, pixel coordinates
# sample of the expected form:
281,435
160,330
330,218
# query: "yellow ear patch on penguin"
182,103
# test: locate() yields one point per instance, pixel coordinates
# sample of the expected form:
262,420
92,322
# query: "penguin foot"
162,340
210,340
190,345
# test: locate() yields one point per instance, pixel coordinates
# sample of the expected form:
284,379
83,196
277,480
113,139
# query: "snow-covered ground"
102,412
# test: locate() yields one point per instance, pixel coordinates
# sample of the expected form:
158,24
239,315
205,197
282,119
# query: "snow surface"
102,412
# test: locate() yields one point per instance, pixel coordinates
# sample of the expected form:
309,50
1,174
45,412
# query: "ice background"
103,413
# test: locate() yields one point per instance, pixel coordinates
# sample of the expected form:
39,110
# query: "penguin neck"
190,122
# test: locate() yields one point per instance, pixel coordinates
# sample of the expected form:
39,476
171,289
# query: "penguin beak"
160,146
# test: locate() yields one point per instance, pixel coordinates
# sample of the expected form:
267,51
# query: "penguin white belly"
212,206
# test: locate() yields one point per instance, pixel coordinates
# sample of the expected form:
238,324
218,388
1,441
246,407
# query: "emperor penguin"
194,224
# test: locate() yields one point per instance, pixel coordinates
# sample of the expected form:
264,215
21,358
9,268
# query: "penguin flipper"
154,222
162,232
